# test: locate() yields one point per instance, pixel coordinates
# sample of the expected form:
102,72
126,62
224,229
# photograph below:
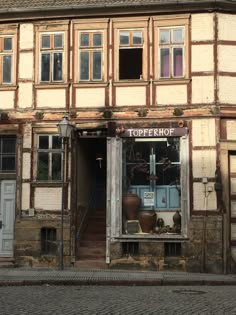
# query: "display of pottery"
147,220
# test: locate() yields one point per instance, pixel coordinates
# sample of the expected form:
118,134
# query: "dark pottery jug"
147,220
131,203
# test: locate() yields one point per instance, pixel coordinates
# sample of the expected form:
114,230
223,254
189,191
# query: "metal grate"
172,249
48,241
130,248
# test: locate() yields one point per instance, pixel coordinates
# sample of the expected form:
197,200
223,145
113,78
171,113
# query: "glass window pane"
8,145
43,165
6,75
137,38
56,142
124,38
165,63
164,36
84,65
84,40
97,64
7,43
8,163
56,166
43,142
46,41
97,39
178,35
58,41
45,67
178,62
57,66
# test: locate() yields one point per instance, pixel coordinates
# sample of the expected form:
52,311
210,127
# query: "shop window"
172,249
130,248
48,241
49,153
51,57
90,56
130,55
7,154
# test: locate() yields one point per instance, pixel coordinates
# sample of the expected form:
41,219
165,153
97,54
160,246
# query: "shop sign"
148,199
154,132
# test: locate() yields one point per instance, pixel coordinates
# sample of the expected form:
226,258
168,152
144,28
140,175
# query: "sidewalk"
20,276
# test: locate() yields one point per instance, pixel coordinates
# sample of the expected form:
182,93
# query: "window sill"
161,237
48,184
51,85
131,83
9,87
171,81
90,83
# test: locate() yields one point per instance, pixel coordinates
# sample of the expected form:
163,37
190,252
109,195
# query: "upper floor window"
90,56
7,154
171,46
51,57
49,157
130,54
6,59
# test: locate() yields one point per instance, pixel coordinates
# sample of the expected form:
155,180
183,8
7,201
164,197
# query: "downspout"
108,203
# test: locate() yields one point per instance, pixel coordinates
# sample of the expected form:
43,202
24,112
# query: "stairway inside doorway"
92,246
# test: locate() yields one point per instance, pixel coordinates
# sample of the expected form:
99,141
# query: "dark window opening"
172,249
130,63
48,241
7,154
130,249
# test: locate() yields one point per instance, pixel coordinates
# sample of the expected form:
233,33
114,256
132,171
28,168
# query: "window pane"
178,35
45,67
97,62
46,41
43,142
8,163
124,38
7,61
137,38
7,44
165,36
84,40
43,165
178,62
84,65
56,142
56,166
8,145
165,62
57,66
58,41
97,39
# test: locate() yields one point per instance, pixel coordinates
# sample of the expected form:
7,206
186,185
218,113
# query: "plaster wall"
231,130
227,58
26,36
26,65
174,94
130,96
47,198
90,97
203,132
25,204
227,92
203,89
204,163
233,231
25,95
199,200
7,99
51,98
202,27
202,58
226,27
26,165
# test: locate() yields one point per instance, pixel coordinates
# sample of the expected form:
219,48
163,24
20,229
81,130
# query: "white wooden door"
7,217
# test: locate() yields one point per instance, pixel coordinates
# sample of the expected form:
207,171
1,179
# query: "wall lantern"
99,158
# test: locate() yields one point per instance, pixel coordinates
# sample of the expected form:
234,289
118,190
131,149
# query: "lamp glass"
65,128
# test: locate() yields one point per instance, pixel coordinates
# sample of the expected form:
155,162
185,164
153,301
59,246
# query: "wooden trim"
201,42
227,74
190,168
171,82
201,148
199,179
205,213
202,73
132,83
215,56
226,42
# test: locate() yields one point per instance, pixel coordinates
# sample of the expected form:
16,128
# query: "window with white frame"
49,161
6,59
90,56
51,57
130,54
171,52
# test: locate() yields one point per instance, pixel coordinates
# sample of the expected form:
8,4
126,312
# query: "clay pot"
131,203
177,218
147,220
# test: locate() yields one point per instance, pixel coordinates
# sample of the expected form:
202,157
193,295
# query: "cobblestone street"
69,300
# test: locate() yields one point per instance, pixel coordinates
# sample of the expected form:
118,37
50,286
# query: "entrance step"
91,264
7,262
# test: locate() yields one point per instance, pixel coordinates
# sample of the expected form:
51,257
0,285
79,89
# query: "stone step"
7,262
87,243
91,264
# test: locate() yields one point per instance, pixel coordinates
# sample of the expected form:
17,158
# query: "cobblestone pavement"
117,300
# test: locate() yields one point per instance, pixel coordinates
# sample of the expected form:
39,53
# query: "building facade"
149,89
